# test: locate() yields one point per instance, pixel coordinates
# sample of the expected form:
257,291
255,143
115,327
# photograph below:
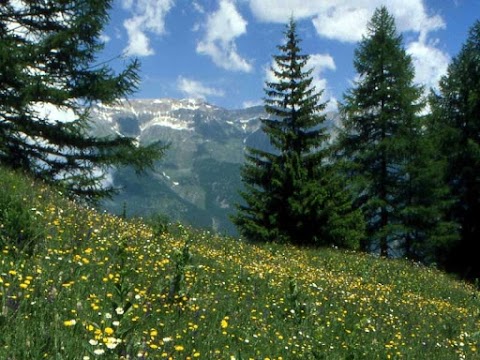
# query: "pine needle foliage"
456,122
49,79
397,182
292,194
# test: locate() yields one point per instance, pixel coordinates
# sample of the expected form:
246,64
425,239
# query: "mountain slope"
199,179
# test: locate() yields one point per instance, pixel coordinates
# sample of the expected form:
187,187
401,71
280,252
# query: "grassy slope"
97,286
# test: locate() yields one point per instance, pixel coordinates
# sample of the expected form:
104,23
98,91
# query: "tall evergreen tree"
292,194
456,119
382,142
48,68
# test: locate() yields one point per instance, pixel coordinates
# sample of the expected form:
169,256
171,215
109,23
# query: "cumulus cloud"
222,28
343,23
430,63
147,17
346,20
319,63
195,89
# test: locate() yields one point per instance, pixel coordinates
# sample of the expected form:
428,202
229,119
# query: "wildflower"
119,310
99,351
179,348
112,342
93,342
109,331
224,324
69,322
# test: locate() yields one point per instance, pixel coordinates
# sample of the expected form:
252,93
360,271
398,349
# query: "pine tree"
292,194
456,116
385,152
48,60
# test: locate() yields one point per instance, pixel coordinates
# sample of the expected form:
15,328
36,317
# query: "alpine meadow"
357,241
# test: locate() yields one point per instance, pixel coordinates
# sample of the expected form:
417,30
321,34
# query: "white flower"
93,342
119,311
112,342
99,351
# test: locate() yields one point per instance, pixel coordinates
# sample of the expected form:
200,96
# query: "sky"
221,51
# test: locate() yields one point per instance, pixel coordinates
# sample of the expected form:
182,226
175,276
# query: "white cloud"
222,28
430,63
198,7
148,16
195,89
346,20
280,11
343,23
320,63
105,38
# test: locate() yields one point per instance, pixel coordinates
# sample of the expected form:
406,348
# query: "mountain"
198,180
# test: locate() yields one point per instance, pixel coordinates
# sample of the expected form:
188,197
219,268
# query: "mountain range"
198,180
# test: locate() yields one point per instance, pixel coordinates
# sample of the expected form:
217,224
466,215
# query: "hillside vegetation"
78,284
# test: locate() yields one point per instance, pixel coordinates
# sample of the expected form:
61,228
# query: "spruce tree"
456,120
384,150
292,194
49,68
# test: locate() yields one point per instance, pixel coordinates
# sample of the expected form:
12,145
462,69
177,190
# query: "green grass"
96,286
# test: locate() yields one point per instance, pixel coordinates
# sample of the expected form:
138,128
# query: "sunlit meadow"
77,284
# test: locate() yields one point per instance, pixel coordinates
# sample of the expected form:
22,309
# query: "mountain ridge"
198,180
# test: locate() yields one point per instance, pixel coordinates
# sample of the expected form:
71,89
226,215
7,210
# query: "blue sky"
221,50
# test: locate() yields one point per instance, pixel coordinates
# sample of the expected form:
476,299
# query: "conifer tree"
397,184
292,194
456,121
49,68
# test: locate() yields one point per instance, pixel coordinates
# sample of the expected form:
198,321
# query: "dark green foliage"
292,195
397,182
48,63
159,223
456,120
20,221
